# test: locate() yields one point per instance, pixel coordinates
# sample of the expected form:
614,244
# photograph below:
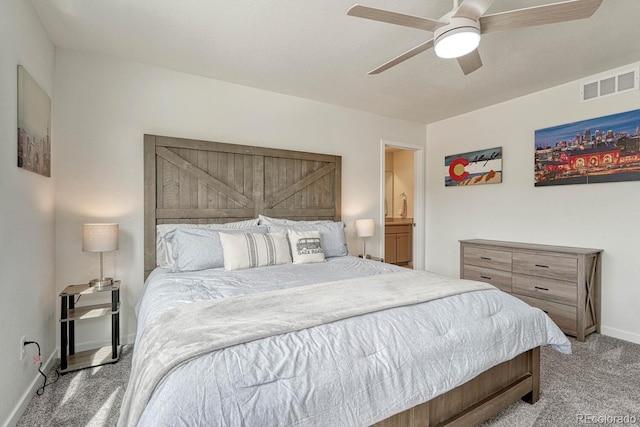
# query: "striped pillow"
249,250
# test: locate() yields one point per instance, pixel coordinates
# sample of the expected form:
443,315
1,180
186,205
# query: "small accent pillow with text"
305,246
333,239
249,250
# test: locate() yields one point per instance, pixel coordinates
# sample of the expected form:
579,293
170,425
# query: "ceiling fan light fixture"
457,42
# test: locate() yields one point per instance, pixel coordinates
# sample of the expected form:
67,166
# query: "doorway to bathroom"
402,204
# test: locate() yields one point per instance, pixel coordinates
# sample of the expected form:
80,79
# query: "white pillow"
164,257
200,248
305,246
333,239
249,250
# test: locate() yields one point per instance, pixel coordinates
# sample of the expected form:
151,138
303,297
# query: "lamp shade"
99,237
365,227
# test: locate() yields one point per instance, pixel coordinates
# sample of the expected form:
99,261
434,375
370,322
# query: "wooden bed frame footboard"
191,181
479,399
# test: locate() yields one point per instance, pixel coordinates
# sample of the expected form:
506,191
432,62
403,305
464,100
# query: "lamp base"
100,283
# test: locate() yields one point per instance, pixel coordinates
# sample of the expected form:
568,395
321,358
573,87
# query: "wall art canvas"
34,125
474,168
605,149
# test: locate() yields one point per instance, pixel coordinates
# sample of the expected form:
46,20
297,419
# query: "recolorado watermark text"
606,419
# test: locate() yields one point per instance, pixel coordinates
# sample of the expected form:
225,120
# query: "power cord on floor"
37,359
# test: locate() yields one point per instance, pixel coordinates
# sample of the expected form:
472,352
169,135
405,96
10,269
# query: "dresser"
562,281
398,241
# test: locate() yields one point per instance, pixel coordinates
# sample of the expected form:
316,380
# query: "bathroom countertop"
398,221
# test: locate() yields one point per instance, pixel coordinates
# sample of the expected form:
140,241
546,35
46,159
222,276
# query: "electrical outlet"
22,347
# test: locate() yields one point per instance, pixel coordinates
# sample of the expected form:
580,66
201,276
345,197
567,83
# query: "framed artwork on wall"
605,149
473,168
34,125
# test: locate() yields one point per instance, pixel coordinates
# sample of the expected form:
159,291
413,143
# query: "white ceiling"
312,49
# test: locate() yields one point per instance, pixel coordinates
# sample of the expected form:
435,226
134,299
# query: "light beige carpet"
599,381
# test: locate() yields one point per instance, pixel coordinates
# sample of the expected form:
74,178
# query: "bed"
378,357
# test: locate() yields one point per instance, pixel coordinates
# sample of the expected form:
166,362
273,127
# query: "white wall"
104,107
596,215
26,215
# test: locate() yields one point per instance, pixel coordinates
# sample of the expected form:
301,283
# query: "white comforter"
351,372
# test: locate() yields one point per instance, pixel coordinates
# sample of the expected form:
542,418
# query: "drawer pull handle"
542,266
542,289
484,257
486,277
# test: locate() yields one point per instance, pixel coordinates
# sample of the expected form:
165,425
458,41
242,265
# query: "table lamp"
365,228
100,238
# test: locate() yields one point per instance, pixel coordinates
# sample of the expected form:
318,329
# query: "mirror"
388,194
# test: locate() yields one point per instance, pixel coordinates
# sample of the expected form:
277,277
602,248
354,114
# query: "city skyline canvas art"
604,149
34,125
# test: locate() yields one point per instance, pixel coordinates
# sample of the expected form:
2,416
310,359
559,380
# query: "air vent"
608,85
627,81
590,91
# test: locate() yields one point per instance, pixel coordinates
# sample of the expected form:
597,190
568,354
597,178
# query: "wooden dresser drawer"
499,279
553,267
547,289
487,258
564,316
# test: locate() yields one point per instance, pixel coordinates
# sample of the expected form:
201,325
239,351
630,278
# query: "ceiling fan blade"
540,15
395,18
470,62
401,58
472,9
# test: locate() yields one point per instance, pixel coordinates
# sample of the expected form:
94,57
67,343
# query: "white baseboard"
89,345
129,339
620,334
31,391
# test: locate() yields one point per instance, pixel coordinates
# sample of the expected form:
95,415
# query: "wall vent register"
612,84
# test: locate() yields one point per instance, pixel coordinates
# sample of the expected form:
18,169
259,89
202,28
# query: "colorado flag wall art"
473,168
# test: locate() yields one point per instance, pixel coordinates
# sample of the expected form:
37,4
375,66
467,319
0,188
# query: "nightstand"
70,314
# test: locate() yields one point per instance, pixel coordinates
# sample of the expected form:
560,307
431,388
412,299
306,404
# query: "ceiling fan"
457,33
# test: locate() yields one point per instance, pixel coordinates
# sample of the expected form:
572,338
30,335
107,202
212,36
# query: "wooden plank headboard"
191,181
